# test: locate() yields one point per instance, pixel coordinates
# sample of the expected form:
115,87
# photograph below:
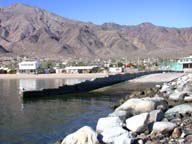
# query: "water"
44,121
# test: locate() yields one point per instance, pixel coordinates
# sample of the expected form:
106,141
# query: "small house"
3,70
186,63
28,67
115,69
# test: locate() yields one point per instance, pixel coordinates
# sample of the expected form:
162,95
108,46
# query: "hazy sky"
171,13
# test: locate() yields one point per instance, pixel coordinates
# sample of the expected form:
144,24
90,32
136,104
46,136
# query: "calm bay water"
44,121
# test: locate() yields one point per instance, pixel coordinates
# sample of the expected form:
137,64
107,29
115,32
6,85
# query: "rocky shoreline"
158,115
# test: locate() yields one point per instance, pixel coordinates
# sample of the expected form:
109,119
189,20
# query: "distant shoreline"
52,76
161,77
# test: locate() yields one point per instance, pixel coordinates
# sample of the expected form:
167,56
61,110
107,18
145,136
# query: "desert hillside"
31,31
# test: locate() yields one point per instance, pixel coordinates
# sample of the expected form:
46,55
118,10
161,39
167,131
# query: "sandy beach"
52,76
157,78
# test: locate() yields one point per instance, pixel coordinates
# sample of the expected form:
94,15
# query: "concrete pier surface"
88,85
97,83
157,78
139,83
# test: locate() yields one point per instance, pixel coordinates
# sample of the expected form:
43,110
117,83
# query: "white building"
187,63
29,67
115,70
59,70
4,69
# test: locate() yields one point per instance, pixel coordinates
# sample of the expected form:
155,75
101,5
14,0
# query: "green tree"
140,67
46,65
120,64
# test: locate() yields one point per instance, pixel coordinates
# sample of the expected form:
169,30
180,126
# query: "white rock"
160,102
177,95
182,109
157,98
107,123
157,86
137,123
182,84
123,139
165,87
188,98
156,115
137,106
183,80
140,141
116,135
163,127
188,88
120,113
84,135
173,83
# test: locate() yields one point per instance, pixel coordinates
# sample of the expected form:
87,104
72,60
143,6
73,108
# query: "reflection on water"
45,121
35,84
28,84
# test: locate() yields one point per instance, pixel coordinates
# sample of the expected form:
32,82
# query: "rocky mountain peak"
146,24
21,7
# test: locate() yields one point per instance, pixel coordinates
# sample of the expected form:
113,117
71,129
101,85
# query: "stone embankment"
162,115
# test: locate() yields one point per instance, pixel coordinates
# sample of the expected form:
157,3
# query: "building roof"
185,60
28,62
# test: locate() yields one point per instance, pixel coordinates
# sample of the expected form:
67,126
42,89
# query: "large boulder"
188,87
124,139
116,135
123,115
163,127
107,123
84,135
180,86
155,115
166,88
160,102
182,109
156,98
183,82
173,83
137,106
188,98
138,123
177,95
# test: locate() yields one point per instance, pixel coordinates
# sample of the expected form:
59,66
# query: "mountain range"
34,32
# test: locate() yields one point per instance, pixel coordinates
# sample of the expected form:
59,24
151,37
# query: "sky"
169,13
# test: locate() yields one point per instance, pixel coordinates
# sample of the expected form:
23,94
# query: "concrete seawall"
84,86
